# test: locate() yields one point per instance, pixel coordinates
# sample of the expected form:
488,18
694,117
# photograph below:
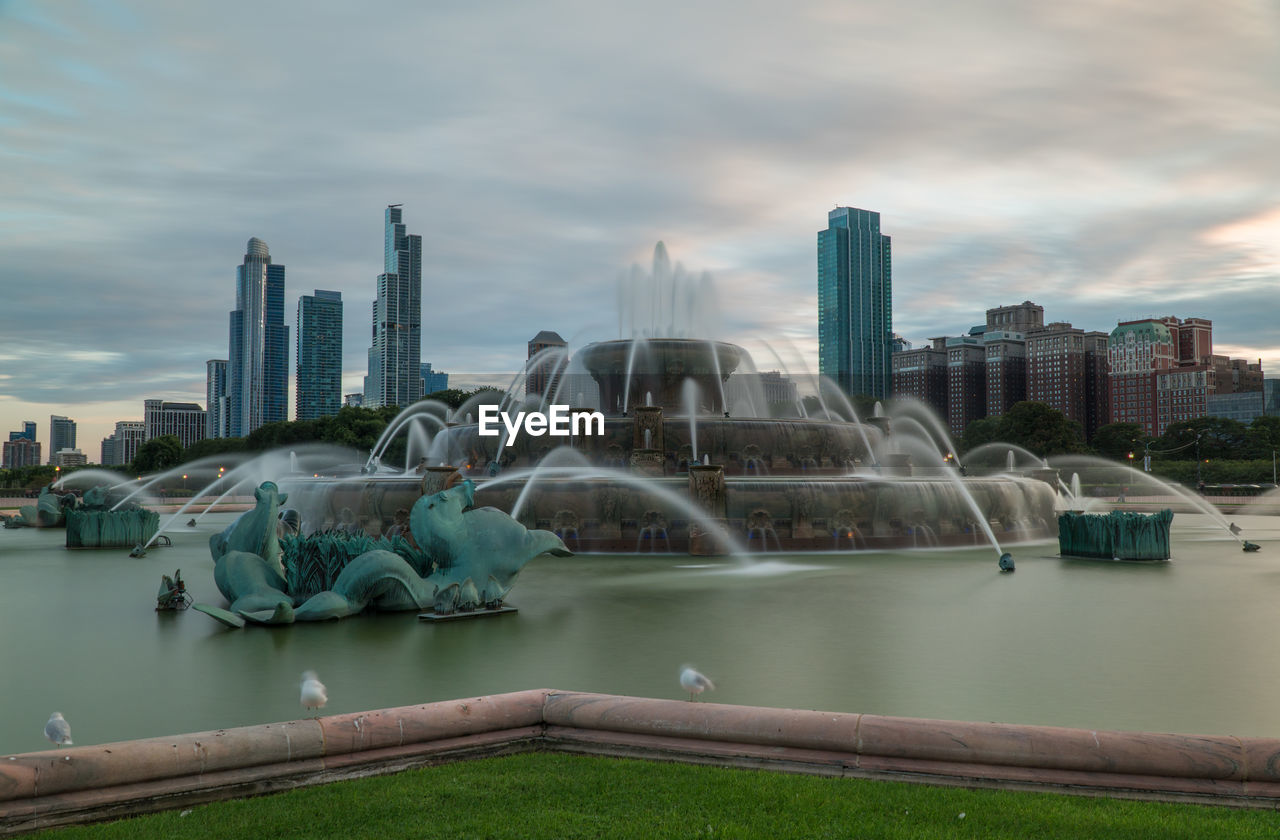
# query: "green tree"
157,454
1034,426
212,446
979,432
1042,429
451,397
1203,437
1117,440
1262,437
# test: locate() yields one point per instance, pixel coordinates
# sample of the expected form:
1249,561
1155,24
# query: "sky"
1106,160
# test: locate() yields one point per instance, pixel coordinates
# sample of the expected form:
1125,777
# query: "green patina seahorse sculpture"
473,555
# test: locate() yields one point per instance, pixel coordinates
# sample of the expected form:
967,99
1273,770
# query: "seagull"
694,682
314,695
58,730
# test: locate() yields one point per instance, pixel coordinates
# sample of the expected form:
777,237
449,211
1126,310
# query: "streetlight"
1199,480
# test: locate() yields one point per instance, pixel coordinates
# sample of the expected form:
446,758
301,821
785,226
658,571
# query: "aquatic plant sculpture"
1118,535
97,523
464,559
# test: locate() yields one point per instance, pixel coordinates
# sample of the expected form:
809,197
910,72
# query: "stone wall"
80,784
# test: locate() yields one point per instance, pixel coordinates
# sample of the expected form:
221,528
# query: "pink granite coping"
84,783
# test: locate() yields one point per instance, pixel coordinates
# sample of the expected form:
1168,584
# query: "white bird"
58,730
314,695
694,682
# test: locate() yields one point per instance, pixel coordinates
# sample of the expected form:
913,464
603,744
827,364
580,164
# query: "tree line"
1218,449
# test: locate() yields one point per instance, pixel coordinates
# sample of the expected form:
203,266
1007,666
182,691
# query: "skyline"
1107,161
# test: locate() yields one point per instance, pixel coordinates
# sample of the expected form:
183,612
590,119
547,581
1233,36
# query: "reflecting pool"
1185,646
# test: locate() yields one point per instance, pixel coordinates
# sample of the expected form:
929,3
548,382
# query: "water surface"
1186,646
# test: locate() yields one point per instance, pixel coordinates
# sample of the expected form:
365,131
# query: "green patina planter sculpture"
93,524
1118,535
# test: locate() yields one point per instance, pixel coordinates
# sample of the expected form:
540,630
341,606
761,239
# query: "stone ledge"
109,781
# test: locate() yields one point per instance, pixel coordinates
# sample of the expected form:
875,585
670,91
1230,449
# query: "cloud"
1105,159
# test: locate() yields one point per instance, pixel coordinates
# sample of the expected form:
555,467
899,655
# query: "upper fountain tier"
632,372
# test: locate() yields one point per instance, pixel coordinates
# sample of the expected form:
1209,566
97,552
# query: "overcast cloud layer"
1108,160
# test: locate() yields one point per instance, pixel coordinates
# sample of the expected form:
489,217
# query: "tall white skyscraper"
395,356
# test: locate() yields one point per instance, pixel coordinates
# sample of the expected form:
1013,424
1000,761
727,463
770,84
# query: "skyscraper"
183,420
855,302
28,431
216,400
62,434
319,387
395,356
547,359
257,369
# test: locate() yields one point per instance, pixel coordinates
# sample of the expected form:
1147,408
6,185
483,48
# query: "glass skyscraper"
319,387
258,367
395,356
855,303
216,401
62,435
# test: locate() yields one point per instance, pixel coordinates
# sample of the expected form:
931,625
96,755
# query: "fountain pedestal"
436,479
707,490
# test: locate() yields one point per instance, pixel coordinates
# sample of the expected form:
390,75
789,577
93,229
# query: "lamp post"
1199,480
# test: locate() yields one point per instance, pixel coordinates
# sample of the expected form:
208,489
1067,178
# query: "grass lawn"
559,796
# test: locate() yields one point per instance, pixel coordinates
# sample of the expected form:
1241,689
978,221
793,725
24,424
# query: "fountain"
831,483
670,397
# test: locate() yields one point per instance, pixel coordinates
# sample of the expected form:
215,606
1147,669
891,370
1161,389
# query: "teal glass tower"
319,387
855,303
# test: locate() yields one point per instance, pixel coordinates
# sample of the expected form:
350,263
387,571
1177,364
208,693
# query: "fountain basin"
631,373
618,513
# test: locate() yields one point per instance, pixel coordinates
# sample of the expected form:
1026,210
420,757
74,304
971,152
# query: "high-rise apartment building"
257,367
545,363
121,446
28,431
20,452
1237,376
1163,371
218,411
966,381
62,434
1138,351
183,420
1006,370
921,373
855,302
319,387
395,356
1067,371
433,380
